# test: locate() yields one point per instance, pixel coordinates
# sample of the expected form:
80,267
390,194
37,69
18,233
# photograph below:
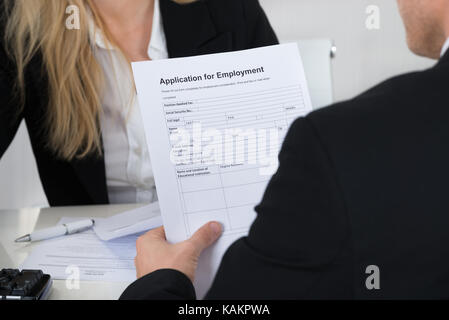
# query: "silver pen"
57,231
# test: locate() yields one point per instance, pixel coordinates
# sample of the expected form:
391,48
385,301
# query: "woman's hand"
155,253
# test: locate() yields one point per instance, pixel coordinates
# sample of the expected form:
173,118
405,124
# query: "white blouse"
129,173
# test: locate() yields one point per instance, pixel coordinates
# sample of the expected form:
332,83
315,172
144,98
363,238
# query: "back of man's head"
427,25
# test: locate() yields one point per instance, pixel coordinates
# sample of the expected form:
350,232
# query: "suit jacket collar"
190,30
444,60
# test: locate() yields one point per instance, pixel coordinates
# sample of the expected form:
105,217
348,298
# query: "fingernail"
216,228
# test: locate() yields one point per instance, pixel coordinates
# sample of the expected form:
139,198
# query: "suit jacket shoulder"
390,97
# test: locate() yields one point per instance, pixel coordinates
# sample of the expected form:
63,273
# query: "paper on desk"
205,118
86,256
130,222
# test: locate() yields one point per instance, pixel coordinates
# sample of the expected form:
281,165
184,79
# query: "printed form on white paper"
85,257
214,126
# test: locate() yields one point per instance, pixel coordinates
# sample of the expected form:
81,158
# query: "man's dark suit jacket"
203,27
361,183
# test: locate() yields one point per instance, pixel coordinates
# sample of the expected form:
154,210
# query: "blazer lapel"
91,172
190,31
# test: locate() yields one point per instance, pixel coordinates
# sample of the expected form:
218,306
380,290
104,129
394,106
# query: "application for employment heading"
214,125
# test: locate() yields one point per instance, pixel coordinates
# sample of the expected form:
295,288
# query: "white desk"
16,223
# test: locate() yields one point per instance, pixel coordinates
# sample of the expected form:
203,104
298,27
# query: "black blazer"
207,26
364,182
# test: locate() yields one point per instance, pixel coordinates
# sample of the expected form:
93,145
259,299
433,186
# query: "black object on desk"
24,285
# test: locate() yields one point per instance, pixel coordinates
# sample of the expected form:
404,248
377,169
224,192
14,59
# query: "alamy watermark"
232,146
72,281
372,21
73,21
373,280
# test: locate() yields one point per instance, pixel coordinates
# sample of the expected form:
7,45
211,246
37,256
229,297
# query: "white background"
364,58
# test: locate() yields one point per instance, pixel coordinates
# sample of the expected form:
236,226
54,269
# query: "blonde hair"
75,78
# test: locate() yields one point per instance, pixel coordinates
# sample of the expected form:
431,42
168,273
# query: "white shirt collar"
96,36
445,47
157,42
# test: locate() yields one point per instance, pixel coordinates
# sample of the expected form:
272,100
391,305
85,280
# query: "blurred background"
364,57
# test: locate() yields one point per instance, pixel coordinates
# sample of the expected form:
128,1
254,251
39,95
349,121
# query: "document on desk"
85,257
214,126
128,223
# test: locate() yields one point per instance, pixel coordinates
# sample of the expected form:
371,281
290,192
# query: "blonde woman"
74,89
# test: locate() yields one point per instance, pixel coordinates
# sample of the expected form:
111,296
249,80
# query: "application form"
214,125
